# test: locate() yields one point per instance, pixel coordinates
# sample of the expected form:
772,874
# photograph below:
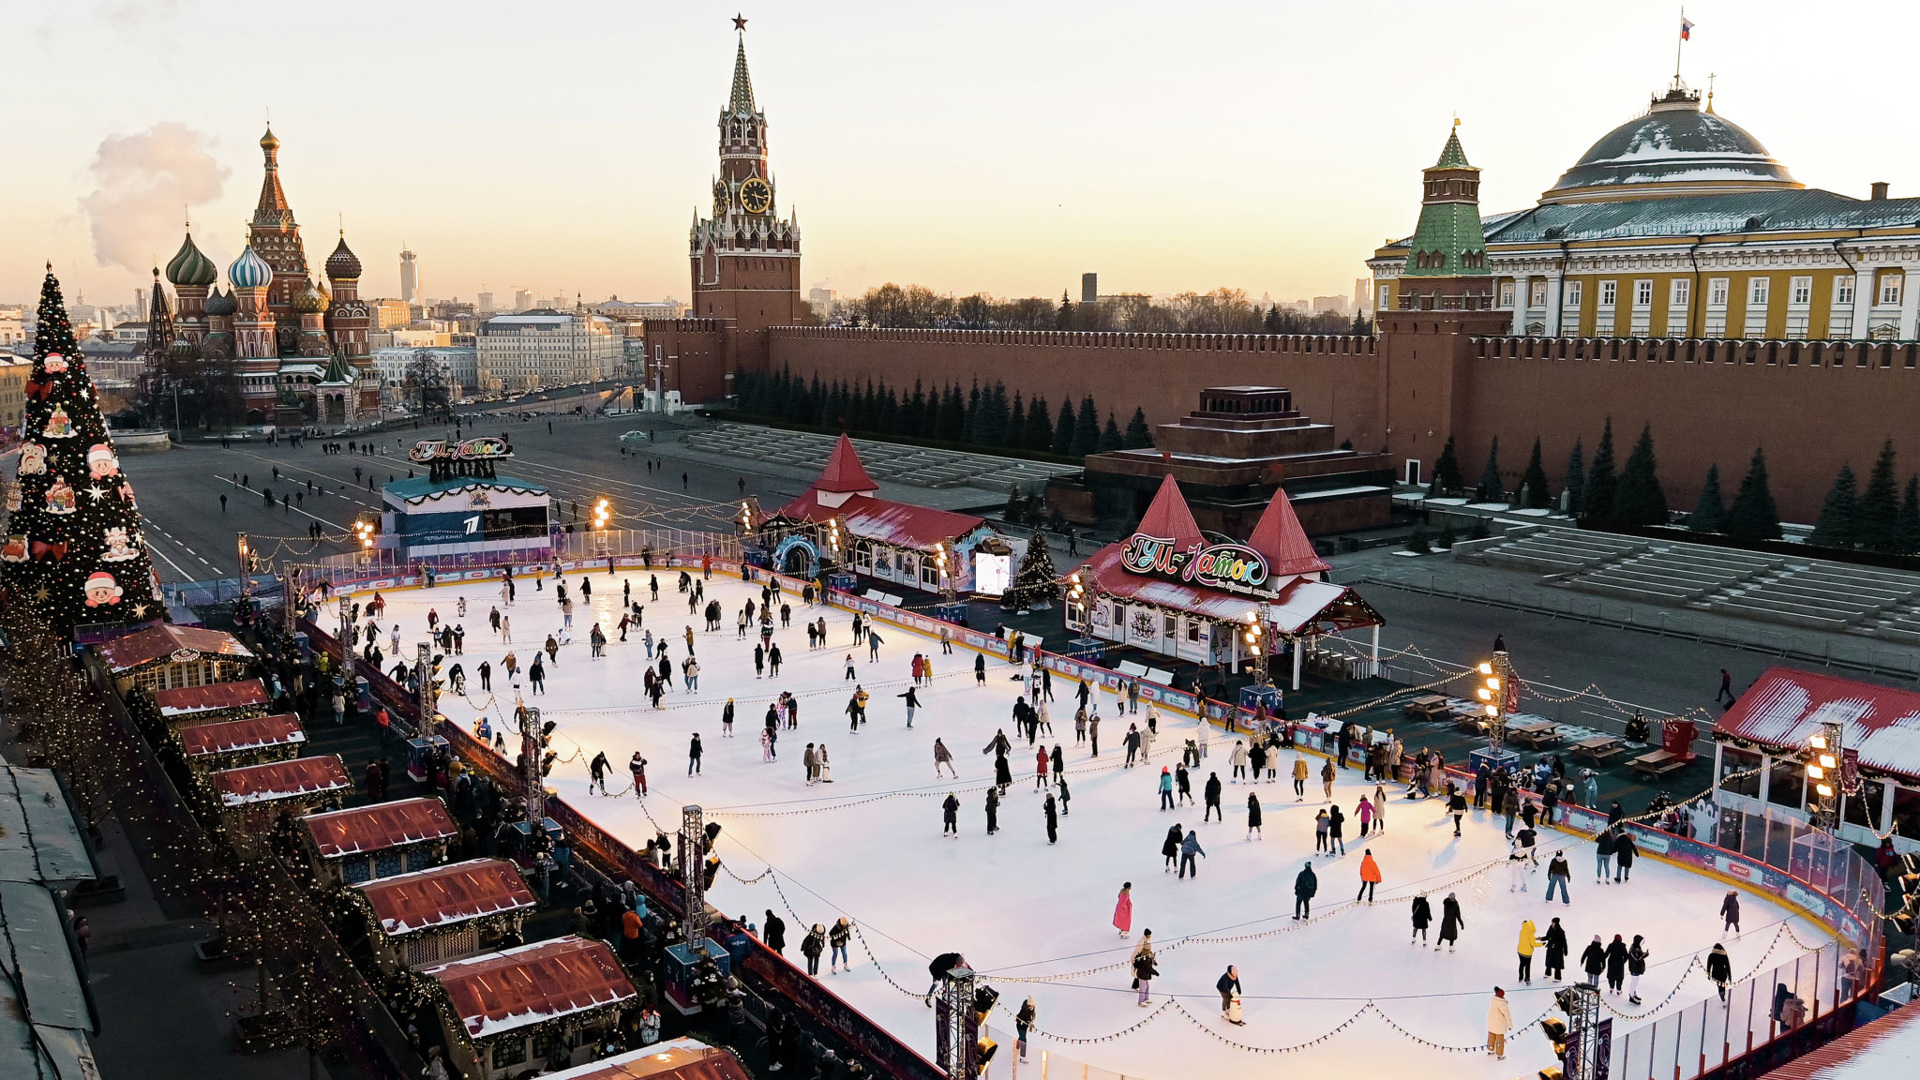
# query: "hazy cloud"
146,181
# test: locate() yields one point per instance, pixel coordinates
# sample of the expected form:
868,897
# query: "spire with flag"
1686,35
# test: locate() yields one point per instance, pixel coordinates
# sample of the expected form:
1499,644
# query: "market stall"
1169,589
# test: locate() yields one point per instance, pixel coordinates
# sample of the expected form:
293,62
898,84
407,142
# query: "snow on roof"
447,894
505,990
274,780
1886,1047
162,641
213,697
1785,210
889,522
675,1059
844,473
1784,706
1281,541
232,736
364,829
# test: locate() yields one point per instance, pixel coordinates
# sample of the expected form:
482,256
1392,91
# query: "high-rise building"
522,299
486,302
745,260
820,299
1089,288
409,277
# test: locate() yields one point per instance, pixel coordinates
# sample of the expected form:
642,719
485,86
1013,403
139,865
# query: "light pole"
1256,639
1493,698
602,514
1826,803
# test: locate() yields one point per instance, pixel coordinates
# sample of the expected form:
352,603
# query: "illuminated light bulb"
1486,668
1815,772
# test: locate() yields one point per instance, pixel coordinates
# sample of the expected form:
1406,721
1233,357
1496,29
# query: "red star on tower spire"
739,22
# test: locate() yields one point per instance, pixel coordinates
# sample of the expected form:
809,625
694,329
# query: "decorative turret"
219,304
310,304
343,264
190,269
272,210
309,300
250,271
1447,267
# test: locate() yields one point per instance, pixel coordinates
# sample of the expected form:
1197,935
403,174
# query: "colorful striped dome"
250,271
190,268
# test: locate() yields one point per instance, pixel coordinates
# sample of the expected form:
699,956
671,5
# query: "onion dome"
190,268
183,350
343,263
250,271
218,303
309,300
269,141
1674,148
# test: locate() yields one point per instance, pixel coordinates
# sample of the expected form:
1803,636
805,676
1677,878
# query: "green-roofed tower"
1447,266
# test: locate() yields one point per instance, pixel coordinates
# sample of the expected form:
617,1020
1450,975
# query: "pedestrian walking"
1188,849
1369,877
1229,986
1720,970
1144,969
837,938
1528,944
1499,1022
1726,677
1451,922
812,946
1558,873
1305,884
1594,961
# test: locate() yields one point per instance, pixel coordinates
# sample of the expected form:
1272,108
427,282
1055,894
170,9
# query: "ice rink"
1343,989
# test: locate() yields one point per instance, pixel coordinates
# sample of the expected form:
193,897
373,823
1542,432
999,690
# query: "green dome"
219,303
190,268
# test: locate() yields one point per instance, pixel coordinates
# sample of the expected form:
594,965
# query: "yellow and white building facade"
1680,224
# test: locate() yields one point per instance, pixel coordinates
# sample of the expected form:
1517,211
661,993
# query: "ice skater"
1305,884
1528,943
1253,816
1451,921
1422,918
1123,907
1369,877
1730,912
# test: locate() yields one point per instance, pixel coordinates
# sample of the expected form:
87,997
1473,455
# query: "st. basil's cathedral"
299,346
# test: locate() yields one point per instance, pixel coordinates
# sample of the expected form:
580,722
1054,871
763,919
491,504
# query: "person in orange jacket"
1369,877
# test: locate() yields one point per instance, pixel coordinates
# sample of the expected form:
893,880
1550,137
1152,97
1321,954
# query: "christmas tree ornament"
33,459
102,461
118,547
59,497
59,425
102,589
15,549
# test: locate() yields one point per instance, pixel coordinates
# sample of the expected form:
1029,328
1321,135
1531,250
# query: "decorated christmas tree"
74,548
1036,585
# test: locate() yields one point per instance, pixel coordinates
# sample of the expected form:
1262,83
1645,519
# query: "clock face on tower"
719,198
755,195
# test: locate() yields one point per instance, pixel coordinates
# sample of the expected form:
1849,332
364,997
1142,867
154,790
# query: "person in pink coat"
1365,813
1123,909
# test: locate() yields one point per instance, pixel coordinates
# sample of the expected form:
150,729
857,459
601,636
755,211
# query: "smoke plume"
145,183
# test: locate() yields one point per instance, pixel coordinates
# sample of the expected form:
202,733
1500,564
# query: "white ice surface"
869,846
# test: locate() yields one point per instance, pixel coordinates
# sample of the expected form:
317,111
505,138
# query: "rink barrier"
1846,900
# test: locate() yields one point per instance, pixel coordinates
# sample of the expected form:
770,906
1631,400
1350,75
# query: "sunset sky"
1006,147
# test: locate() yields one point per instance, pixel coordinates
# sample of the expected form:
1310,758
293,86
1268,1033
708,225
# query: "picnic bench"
1533,735
1429,707
1658,763
1598,749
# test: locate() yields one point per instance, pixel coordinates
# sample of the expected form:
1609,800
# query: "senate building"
1680,224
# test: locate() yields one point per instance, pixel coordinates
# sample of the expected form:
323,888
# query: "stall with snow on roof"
378,841
841,522
1766,761
674,1059
531,1008
445,913
254,798
214,701
229,744
1173,590
166,657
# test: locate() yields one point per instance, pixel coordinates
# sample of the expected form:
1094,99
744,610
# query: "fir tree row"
981,416
1604,495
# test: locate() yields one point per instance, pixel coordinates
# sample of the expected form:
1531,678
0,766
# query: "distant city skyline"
1268,148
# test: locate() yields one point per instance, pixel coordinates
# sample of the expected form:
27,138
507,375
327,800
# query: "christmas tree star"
97,492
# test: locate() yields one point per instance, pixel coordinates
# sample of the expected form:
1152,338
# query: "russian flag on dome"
1686,28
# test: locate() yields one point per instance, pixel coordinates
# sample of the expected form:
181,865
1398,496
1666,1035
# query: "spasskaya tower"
745,259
